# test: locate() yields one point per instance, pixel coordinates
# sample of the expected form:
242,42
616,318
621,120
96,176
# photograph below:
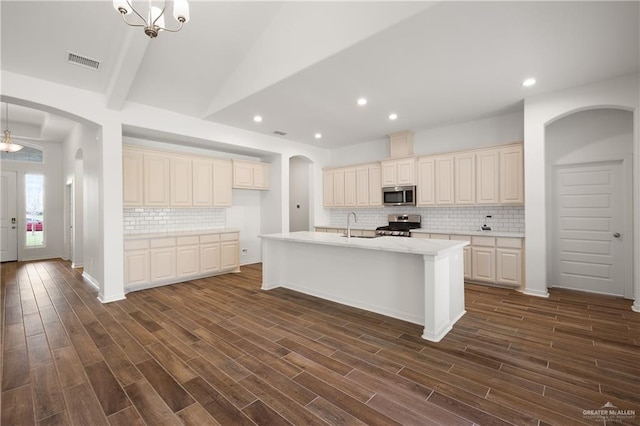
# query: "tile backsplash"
148,220
459,218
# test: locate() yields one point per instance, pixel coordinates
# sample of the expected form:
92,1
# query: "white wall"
54,190
540,112
497,130
245,214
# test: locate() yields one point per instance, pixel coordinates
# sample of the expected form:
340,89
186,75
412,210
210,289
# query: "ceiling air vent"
279,133
83,61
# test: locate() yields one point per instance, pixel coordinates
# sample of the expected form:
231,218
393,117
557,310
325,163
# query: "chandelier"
7,144
154,22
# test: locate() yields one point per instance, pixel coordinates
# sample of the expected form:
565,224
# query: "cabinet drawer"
229,237
509,242
188,241
136,244
162,242
460,238
420,235
439,236
483,241
213,238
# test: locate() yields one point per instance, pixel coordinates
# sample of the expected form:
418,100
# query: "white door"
588,220
8,217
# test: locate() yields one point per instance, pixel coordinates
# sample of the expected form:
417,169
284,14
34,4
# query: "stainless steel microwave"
399,196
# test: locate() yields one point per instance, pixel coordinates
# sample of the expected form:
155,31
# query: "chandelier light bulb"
153,21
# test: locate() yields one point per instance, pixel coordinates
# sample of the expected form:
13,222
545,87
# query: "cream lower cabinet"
483,259
509,261
159,261
466,253
229,252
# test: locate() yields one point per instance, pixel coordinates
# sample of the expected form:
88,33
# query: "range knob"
395,233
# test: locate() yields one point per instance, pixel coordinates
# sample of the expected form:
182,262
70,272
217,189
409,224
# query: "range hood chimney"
401,144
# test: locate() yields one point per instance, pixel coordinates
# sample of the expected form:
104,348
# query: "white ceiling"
301,65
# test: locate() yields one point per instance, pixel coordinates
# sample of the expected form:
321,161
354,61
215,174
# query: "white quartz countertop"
394,244
473,233
179,233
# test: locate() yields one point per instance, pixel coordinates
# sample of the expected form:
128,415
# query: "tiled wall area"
503,218
148,220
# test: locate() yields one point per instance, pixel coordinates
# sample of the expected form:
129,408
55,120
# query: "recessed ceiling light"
393,116
257,118
529,82
318,135
362,101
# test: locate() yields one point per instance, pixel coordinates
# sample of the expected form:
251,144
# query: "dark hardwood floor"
221,351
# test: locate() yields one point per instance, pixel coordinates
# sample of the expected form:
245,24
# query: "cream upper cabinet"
487,176
362,186
512,174
222,183
350,188
375,185
401,144
202,183
465,178
444,190
426,185
250,175
399,172
338,188
181,182
156,180
327,188
132,178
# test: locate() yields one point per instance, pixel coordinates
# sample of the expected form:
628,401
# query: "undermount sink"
361,236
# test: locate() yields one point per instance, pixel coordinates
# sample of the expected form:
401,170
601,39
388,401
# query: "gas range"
399,225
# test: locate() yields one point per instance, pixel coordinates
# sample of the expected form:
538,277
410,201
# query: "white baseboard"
537,293
76,265
91,280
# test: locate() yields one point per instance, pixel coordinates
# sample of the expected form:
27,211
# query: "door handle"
616,234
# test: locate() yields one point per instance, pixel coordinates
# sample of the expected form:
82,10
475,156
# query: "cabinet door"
163,264
202,183
338,188
156,180
181,182
389,173
426,186
188,261
136,267
465,178
242,174
222,183
209,258
261,176
375,186
362,186
509,266
229,259
327,188
350,188
132,178
512,175
483,264
487,177
406,171
444,180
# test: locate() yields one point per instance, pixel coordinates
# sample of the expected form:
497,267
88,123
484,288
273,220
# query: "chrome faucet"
355,219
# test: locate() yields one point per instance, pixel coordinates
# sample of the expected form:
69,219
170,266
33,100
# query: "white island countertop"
393,244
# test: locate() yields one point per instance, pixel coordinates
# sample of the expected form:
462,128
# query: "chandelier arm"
136,12
130,24
164,6
172,31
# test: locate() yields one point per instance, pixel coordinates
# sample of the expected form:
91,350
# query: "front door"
8,217
588,219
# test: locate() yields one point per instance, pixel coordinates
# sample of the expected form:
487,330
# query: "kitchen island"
416,280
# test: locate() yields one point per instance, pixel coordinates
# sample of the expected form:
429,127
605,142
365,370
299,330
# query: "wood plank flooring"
222,351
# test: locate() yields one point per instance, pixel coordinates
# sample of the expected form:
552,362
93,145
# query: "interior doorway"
8,217
300,194
77,213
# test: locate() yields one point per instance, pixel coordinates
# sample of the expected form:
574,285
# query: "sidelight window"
34,210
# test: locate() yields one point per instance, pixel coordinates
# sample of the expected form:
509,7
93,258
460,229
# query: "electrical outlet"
245,251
